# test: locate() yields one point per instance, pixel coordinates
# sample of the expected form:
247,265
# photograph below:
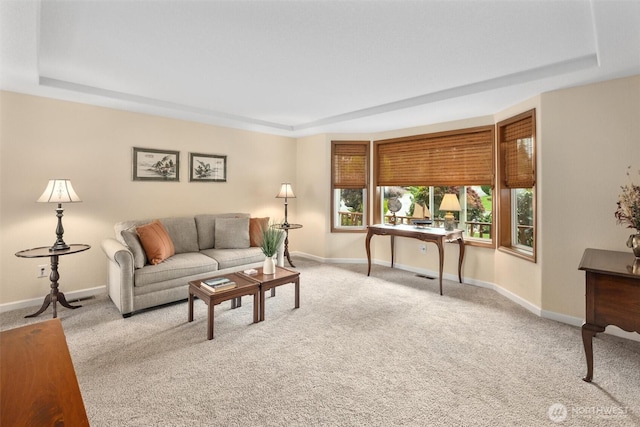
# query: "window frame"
365,190
507,216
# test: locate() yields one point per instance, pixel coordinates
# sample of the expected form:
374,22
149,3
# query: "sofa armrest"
120,275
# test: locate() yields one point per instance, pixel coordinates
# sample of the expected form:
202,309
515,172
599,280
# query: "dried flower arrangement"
628,212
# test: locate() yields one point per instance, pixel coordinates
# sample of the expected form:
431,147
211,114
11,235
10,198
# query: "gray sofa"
204,245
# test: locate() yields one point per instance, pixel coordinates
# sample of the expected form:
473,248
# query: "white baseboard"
37,302
558,317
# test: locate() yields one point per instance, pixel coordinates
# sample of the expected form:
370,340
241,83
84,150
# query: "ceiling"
306,67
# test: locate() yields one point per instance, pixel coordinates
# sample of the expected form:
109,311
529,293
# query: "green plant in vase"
272,238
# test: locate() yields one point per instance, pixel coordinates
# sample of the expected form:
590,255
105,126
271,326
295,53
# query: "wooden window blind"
516,139
349,164
461,157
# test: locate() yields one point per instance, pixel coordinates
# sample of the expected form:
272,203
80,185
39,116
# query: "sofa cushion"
135,246
228,258
205,225
177,266
256,225
231,233
183,233
156,242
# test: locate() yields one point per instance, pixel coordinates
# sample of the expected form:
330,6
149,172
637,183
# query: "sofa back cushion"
232,233
132,240
183,233
205,225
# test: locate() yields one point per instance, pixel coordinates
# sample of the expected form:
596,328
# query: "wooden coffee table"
282,276
245,285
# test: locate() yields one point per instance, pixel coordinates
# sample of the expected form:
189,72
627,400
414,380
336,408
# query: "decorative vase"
634,243
269,265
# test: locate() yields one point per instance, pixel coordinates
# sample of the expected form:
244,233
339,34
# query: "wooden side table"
39,384
245,286
286,229
612,296
54,296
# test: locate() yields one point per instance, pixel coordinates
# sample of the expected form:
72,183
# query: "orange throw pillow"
256,225
156,242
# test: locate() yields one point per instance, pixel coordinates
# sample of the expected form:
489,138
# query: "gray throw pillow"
232,233
133,242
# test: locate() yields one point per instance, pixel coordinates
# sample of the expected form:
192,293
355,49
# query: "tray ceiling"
307,67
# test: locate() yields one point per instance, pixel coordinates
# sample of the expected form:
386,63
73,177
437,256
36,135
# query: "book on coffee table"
217,284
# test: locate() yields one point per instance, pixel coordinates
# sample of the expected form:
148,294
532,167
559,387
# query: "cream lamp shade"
59,191
449,204
286,192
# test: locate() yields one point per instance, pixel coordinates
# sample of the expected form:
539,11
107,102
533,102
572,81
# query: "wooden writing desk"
435,235
612,296
38,382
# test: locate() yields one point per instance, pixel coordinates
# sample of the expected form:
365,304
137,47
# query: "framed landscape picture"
155,165
207,168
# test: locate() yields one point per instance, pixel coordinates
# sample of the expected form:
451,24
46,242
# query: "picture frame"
155,165
207,167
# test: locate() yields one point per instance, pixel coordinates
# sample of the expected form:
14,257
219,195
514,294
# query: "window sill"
525,255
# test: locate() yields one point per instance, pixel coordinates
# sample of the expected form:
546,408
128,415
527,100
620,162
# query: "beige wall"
43,138
590,135
587,136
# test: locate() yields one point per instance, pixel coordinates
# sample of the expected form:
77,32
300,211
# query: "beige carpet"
385,350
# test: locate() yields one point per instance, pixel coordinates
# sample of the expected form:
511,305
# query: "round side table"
54,296
286,229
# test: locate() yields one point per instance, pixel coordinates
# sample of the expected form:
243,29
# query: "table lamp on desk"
449,204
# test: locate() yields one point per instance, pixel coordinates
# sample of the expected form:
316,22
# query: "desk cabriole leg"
441,262
588,332
368,248
460,259
393,247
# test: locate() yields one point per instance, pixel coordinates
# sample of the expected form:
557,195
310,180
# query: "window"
420,169
475,216
516,185
349,185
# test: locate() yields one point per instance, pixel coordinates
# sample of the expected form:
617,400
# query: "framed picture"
207,168
155,165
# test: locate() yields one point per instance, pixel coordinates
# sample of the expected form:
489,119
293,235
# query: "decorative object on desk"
286,192
207,168
155,165
394,205
421,223
421,211
633,242
449,203
272,238
628,213
59,191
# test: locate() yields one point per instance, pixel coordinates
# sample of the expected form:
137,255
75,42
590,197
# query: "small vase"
269,265
634,243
